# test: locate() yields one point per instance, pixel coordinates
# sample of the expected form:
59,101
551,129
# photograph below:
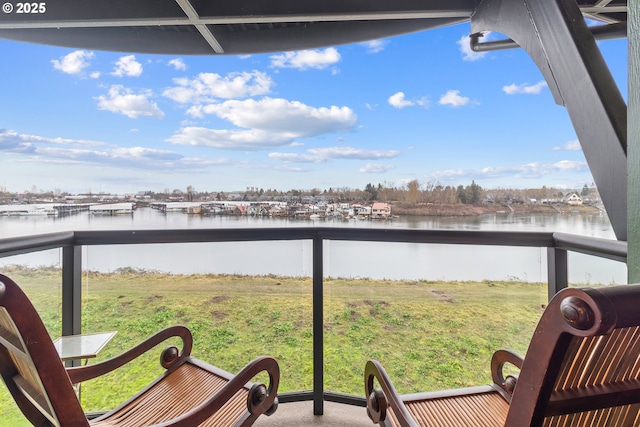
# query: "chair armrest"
499,359
260,400
379,399
168,358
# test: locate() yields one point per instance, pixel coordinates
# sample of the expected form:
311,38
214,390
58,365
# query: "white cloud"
122,156
292,118
127,66
305,59
570,165
465,48
74,62
398,100
352,153
375,46
454,99
535,89
14,142
295,157
121,100
265,124
569,146
319,155
375,168
138,158
253,139
535,169
209,87
178,64
46,150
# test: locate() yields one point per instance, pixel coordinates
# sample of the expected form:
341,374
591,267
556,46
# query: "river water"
342,259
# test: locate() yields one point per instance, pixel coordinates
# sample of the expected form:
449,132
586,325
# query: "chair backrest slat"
9,339
597,371
30,365
26,378
625,416
37,398
583,363
600,360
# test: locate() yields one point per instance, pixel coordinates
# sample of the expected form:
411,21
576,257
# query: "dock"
112,209
71,209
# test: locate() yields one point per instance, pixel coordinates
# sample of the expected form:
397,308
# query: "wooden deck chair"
582,368
189,393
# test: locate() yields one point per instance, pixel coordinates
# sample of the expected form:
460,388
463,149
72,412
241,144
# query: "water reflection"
342,259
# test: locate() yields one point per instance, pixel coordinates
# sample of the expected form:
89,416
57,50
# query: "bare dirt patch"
441,296
218,299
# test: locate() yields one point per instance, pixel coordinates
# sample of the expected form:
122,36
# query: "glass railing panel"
589,270
39,275
431,314
239,299
255,297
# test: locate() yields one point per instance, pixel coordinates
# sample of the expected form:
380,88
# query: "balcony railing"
558,245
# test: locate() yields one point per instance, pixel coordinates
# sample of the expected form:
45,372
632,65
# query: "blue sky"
418,106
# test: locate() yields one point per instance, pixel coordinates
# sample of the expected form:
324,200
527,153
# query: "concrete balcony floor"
300,414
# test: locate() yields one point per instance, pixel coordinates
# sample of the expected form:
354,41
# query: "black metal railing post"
318,329
71,290
557,271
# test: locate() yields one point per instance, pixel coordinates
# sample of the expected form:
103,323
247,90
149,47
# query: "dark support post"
71,290
556,36
557,270
318,328
72,293
633,185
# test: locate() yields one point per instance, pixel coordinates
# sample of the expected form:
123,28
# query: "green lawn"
429,335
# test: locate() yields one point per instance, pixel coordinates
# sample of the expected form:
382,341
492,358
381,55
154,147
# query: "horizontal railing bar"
453,237
295,396
329,396
22,245
610,249
344,398
193,235
459,237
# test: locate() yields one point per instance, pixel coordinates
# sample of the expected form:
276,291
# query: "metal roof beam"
557,38
95,23
193,16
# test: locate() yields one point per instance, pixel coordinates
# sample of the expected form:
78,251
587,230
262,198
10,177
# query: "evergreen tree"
461,195
371,190
474,193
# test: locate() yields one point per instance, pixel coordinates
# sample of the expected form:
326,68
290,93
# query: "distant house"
574,200
380,210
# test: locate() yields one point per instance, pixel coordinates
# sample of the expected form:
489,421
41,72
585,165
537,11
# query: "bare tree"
413,191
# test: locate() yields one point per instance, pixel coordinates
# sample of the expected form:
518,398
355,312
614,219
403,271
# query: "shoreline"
474,210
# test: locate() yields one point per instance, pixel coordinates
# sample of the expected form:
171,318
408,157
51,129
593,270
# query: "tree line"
412,193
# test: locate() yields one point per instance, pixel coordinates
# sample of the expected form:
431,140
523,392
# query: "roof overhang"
202,27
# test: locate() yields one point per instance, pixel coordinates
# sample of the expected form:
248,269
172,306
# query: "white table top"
84,346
